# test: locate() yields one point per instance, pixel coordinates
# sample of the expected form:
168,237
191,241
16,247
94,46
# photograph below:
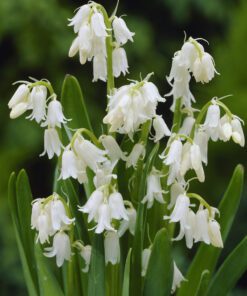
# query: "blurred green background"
34,41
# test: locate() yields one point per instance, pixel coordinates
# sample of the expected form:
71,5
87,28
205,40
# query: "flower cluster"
33,96
95,38
50,218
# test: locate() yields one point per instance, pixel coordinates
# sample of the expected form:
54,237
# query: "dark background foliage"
34,41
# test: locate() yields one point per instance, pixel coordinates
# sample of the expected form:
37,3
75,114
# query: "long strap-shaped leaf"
158,280
230,271
27,262
207,256
126,278
136,279
96,275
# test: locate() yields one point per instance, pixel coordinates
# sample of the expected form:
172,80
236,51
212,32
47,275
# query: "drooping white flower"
21,95
137,152
112,148
36,211
180,211
112,247
128,224
177,278
92,205
69,165
104,218
196,162
188,54
116,204
91,155
175,191
215,234
104,174
85,252
203,68
44,227
237,132
121,31
61,248
175,153
212,122
59,217
98,24
145,260
55,115
99,68
38,102
52,143
18,110
160,128
201,226
187,125
201,139
154,190
132,105
81,17
119,62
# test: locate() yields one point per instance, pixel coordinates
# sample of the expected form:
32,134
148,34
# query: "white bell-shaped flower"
81,17
201,139
154,190
112,247
121,31
91,155
112,148
177,278
44,227
119,62
203,68
215,234
116,204
55,115
104,218
18,110
38,103
59,217
137,152
98,24
188,54
74,48
196,162
104,175
187,126
175,191
160,128
175,153
201,226
128,224
212,122
36,211
237,132
99,68
20,96
145,260
61,248
92,205
69,165
85,253
52,143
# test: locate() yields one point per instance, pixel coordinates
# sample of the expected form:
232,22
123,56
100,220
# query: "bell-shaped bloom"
99,68
112,247
104,219
20,96
203,68
119,62
188,54
61,248
175,153
201,226
121,32
128,224
145,260
116,204
98,24
237,132
154,190
212,122
215,234
38,103
55,115
160,128
187,125
104,174
175,190
201,139
196,162
81,17
177,278
52,143
69,165
59,217
18,110
92,205
85,253
112,148
137,152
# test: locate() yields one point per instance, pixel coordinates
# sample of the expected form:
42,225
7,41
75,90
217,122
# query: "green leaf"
96,275
207,256
74,105
158,280
126,279
230,271
47,281
27,259
205,277
136,266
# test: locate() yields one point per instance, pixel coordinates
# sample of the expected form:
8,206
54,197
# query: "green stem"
201,200
44,83
199,118
87,132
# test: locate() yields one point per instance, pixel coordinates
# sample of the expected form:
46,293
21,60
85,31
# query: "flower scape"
137,149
